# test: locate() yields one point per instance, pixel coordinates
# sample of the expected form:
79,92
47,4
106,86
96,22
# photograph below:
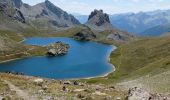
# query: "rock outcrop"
140,94
57,49
98,20
84,35
9,9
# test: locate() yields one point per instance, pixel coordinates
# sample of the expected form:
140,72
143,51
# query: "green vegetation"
145,59
32,32
12,35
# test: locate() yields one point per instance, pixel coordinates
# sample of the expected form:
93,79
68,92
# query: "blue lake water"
84,59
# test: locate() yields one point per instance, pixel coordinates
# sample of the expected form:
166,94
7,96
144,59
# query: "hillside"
142,63
44,15
9,47
157,30
17,87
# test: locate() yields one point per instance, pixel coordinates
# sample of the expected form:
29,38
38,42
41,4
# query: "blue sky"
109,6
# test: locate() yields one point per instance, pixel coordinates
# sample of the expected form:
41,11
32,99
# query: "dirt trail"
19,92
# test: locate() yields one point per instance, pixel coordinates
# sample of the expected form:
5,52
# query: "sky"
84,7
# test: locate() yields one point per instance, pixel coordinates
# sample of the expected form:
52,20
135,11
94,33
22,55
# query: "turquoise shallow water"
84,59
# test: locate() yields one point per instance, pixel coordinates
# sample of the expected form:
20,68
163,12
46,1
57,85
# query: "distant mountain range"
142,23
46,15
42,15
157,30
82,18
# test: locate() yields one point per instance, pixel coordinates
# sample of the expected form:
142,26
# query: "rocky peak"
57,11
46,12
102,17
57,16
97,19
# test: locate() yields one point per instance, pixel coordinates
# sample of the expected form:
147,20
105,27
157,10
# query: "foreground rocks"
49,89
57,49
140,94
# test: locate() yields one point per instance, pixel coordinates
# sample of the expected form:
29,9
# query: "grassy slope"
11,48
147,61
142,57
32,32
12,35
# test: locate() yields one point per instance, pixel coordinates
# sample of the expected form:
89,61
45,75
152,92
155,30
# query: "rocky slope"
98,20
18,87
43,15
48,13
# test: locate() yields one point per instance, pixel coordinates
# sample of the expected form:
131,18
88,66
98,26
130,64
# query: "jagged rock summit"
98,20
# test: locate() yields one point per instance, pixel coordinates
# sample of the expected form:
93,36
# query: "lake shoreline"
104,75
99,76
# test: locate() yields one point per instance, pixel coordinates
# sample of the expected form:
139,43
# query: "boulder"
39,81
140,94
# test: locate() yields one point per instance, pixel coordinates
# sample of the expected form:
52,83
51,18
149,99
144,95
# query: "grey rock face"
9,9
140,94
57,49
50,14
99,21
103,17
42,15
19,16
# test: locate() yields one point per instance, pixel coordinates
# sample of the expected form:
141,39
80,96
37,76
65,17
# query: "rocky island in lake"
57,49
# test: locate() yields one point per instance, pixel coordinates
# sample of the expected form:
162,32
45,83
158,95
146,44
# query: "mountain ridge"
42,15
